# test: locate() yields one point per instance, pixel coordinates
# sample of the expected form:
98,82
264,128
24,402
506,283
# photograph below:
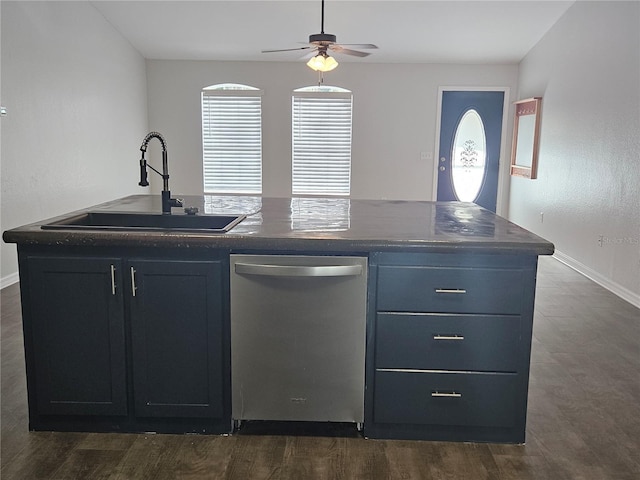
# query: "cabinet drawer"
463,399
449,289
447,342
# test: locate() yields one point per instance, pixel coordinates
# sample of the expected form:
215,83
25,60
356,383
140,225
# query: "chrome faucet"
167,201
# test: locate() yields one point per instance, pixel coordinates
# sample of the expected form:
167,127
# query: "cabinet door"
77,320
176,332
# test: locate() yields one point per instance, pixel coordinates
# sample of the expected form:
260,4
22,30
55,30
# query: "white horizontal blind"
321,138
232,139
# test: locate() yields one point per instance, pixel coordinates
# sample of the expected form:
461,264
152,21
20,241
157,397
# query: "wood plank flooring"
583,417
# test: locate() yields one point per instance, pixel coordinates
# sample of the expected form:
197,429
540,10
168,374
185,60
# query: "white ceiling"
451,31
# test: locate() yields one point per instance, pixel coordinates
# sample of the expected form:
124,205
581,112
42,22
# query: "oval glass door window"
469,157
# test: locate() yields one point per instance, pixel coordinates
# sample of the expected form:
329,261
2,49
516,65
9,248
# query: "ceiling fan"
322,43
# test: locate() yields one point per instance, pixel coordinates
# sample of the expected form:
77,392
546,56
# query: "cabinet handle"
133,282
446,394
448,337
451,290
113,280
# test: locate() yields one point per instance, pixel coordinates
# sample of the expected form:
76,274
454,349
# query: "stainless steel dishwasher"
298,337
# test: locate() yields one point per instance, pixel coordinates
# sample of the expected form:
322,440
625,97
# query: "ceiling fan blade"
348,51
287,49
365,46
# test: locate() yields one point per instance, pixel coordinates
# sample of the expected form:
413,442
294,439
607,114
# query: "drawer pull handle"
451,290
446,394
448,337
113,280
133,282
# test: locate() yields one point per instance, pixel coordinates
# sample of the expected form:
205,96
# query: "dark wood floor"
583,419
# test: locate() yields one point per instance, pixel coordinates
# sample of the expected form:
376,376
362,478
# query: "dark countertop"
309,224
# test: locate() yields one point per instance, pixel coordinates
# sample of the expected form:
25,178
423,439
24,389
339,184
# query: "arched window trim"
322,89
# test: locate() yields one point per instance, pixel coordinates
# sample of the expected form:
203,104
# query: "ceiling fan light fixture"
322,62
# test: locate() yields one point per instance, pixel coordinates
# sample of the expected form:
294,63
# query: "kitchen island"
130,330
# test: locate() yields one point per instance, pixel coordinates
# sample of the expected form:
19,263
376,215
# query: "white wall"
75,91
587,69
394,118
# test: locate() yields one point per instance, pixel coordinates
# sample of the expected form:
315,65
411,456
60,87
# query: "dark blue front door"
470,137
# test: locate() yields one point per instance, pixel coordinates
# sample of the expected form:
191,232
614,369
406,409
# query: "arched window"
321,141
232,139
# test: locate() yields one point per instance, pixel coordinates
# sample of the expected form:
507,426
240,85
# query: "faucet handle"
191,210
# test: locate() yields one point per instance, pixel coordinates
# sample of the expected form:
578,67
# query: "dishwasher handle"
298,270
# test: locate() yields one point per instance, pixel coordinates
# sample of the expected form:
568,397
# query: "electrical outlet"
541,217
600,238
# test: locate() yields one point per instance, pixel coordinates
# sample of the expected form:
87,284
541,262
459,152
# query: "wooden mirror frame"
529,106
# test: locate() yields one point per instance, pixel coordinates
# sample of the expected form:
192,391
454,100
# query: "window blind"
321,137
232,141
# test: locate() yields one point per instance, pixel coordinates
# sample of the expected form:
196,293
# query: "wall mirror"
526,137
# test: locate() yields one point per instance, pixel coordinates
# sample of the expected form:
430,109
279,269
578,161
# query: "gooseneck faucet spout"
167,201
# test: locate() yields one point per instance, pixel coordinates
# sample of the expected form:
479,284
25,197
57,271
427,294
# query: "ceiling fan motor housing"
322,39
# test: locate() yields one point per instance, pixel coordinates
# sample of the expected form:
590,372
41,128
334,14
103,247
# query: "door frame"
503,162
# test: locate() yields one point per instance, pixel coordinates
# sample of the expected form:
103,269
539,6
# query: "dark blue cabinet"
76,335
450,343
126,341
176,338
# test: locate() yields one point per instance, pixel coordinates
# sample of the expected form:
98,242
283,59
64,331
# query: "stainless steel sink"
121,221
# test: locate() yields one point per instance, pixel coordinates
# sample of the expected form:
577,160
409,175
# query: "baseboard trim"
613,287
9,280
